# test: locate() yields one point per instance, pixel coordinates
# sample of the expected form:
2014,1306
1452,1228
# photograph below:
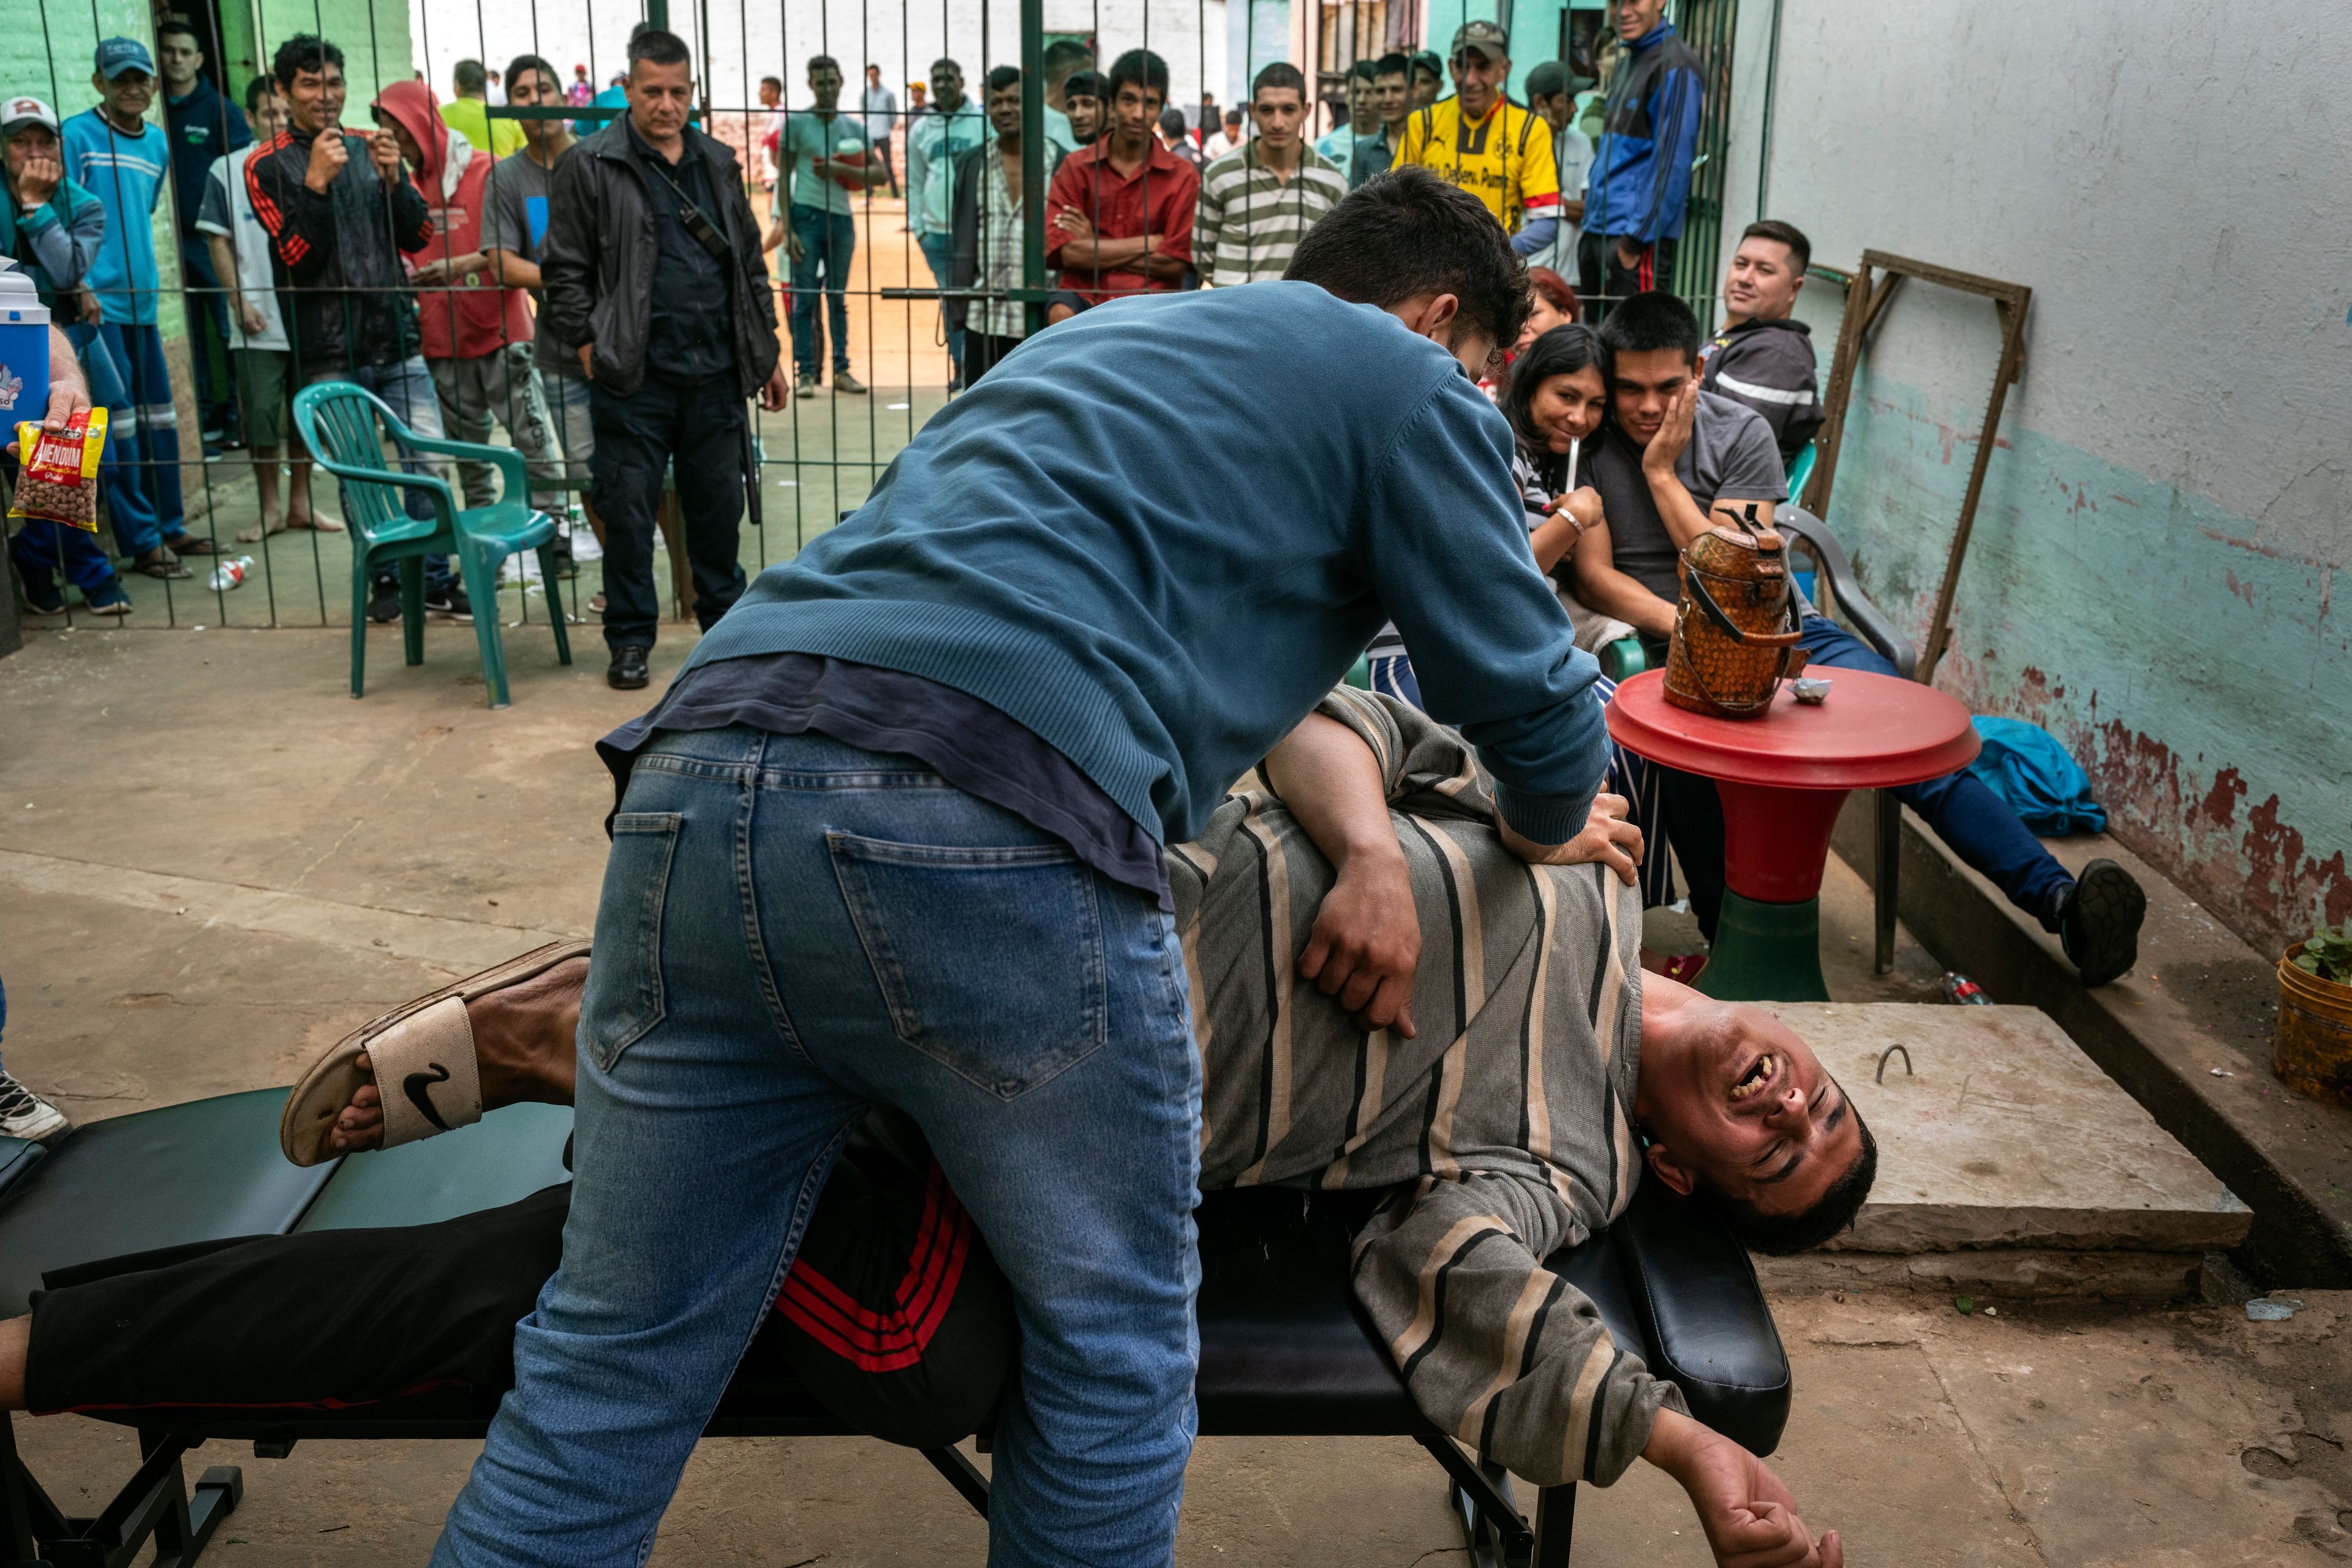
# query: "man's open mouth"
1759,1074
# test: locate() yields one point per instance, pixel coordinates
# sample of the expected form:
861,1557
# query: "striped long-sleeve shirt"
1250,220
1505,1123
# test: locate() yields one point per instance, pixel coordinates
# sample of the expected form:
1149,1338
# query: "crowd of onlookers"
419,251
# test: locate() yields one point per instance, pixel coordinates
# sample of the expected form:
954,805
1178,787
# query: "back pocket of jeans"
624,996
990,960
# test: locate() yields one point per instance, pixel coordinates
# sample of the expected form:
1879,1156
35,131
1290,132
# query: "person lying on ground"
1358,934
1677,459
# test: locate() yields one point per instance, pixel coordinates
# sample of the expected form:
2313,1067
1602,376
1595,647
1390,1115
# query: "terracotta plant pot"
2311,1050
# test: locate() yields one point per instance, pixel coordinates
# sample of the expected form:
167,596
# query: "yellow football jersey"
1503,160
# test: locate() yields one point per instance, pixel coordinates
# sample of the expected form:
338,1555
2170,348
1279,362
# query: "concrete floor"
214,862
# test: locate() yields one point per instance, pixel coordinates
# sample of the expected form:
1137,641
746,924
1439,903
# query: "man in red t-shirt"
1118,216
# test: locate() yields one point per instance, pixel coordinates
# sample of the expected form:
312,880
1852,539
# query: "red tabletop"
1875,732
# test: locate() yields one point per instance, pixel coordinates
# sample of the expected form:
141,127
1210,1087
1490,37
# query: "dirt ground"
212,862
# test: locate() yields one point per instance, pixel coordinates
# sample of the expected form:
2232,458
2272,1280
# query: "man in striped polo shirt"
1259,201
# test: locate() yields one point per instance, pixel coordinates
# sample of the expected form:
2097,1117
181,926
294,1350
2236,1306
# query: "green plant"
2328,955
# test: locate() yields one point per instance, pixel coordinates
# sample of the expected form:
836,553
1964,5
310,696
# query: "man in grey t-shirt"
1672,462
1675,460
514,224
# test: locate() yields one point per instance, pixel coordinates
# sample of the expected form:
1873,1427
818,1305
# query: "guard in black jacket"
653,266
1764,357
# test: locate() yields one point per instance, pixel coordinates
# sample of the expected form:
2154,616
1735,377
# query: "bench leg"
962,1475
1555,1526
154,1506
1492,1528
1885,874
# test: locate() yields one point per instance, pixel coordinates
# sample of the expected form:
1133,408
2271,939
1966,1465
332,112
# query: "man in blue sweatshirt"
894,835
1641,173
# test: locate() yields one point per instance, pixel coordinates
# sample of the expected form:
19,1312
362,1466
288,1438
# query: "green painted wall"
2196,671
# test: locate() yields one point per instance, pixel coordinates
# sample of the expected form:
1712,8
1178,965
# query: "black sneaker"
450,602
384,608
628,671
2098,922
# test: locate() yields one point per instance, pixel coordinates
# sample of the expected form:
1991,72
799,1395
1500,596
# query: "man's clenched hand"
1608,839
1749,1517
1366,943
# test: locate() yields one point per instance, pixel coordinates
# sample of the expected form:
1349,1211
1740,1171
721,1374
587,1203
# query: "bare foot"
523,1039
262,530
319,524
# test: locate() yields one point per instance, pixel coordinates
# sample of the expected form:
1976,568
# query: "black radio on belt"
692,219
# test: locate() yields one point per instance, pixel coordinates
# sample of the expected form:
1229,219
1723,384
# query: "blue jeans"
139,468
790,930
1962,810
938,250
406,388
828,240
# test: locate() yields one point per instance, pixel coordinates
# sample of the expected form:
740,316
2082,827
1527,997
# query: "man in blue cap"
114,153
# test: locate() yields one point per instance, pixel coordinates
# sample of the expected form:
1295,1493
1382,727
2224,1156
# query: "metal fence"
821,454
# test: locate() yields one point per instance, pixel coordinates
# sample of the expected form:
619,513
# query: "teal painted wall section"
51,55
2201,677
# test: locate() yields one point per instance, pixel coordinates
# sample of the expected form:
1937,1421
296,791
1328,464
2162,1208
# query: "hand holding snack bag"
59,481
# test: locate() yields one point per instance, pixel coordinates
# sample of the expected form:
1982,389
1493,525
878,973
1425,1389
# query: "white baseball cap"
15,112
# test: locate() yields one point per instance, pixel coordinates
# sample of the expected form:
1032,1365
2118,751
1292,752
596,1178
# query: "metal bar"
1490,1500
1555,1526
1948,277
18,1489
1840,390
1032,164
1939,629
962,1475
1886,875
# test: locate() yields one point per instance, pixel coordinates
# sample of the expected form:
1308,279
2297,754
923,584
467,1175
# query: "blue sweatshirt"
1640,176
1156,533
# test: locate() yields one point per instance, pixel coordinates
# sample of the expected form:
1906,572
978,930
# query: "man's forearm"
217,245
1684,519
513,271
1102,253
1605,589
1331,782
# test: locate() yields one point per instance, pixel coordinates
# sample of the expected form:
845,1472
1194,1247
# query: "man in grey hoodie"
1764,356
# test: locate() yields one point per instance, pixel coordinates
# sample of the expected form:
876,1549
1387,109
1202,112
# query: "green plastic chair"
344,426
1622,659
1801,470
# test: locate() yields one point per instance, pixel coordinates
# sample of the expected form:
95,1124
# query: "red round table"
1782,778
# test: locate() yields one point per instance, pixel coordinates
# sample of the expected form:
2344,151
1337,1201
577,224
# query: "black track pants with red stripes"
894,1314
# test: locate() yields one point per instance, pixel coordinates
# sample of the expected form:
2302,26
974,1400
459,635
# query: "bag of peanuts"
60,478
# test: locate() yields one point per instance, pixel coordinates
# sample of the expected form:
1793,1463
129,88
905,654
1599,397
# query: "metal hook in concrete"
1882,1063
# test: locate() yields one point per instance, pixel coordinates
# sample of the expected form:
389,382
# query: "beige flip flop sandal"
422,1056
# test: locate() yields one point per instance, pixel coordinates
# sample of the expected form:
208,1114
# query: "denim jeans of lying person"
793,929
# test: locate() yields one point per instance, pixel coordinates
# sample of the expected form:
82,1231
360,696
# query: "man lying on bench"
1516,1072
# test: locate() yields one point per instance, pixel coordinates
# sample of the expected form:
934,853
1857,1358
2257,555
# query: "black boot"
628,671
2099,918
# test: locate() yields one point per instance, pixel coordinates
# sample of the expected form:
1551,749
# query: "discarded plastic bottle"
1961,991
230,573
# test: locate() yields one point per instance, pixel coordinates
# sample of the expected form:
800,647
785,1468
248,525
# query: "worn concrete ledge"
1995,1130
2135,1278
2201,1003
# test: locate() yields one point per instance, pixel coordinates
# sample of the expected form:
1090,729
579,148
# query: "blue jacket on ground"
1649,133
1156,533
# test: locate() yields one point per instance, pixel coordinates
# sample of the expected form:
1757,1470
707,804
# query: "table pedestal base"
1766,952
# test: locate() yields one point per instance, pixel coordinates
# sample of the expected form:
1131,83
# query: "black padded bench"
1284,1352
